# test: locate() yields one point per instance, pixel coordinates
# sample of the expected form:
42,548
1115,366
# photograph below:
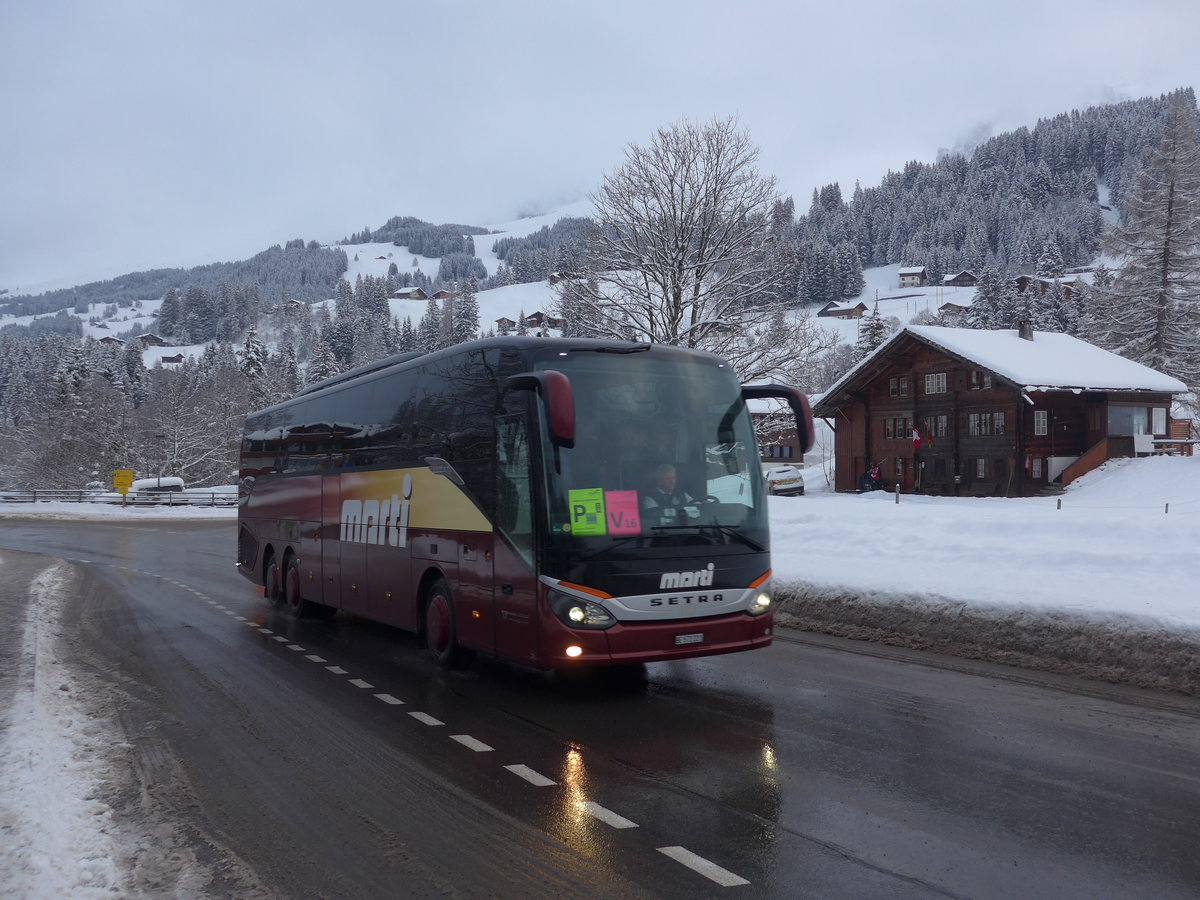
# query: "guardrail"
133,498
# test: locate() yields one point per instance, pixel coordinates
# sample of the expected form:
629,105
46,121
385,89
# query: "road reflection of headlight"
768,757
573,779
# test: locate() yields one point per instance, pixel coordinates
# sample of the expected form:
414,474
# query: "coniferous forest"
1034,202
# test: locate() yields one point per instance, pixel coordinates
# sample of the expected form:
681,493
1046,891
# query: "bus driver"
665,502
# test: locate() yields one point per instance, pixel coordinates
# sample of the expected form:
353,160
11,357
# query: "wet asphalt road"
334,761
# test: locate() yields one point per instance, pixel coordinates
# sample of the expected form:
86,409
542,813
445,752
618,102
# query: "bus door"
514,579
331,518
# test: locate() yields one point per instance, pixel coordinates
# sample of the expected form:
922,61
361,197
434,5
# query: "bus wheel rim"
439,623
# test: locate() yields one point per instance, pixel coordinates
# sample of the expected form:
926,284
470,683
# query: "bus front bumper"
641,642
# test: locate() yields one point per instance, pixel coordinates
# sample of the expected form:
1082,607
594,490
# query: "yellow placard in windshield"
587,511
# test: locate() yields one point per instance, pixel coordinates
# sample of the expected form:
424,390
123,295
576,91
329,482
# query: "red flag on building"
916,438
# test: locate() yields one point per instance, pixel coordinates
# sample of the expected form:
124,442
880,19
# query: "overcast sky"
146,133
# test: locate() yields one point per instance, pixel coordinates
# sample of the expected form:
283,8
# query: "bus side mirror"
796,400
557,398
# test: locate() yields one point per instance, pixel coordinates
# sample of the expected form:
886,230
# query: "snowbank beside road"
1113,552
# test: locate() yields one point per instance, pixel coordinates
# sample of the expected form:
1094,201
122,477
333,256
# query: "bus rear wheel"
441,632
273,582
297,606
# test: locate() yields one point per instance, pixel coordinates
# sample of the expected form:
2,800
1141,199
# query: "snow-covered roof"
911,270
1051,361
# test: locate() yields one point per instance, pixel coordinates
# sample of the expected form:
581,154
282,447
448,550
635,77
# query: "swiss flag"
916,438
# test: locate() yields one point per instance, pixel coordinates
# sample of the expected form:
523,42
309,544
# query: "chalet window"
998,423
889,429
981,468
987,380
982,423
1035,470
941,426
1160,420
976,379
899,468
1041,421
893,387
904,386
935,383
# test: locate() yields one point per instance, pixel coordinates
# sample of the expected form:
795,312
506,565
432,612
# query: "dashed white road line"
682,855
607,816
535,778
467,741
426,718
709,870
279,637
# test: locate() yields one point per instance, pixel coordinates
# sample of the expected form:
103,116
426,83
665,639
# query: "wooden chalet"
152,340
913,276
960,279
991,413
1041,285
410,293
835,310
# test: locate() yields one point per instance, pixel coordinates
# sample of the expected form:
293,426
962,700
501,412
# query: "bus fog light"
760,605
574,651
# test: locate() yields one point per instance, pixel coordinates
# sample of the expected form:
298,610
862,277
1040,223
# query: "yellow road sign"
122,480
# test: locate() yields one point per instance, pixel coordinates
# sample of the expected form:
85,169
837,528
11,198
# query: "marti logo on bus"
701,578
378,521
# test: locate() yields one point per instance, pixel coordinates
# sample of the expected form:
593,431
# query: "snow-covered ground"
1121,551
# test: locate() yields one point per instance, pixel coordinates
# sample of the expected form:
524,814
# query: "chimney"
1025,330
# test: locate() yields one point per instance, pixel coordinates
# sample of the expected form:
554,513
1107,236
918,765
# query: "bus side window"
514,501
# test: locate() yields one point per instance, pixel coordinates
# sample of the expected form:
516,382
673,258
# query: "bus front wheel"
441,633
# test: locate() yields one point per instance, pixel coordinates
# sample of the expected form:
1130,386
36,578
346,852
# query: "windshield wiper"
728,530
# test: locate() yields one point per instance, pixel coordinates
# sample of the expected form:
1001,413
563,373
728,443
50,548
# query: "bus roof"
520,343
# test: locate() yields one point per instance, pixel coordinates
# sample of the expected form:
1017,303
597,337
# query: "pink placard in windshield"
621,508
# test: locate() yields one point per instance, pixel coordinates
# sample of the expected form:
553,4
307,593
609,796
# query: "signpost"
122,482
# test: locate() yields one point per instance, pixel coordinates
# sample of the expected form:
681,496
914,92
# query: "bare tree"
680,254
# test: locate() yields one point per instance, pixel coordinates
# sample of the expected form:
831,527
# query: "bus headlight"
579,613
760,604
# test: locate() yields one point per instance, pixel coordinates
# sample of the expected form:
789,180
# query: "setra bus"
500,496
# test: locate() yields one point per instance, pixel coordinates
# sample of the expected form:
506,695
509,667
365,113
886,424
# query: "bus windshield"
664,455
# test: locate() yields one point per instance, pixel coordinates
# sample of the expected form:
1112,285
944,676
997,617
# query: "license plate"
681,639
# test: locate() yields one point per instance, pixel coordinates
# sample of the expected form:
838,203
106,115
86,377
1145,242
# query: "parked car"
169,489
784,481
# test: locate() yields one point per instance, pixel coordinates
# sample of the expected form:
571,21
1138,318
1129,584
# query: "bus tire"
273,582
297,606
441,632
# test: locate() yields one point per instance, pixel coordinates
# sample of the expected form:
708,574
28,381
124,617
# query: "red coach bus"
555,502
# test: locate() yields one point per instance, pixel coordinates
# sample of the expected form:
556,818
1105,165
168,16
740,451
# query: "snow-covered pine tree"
1050,264
872,331
168,314
986,309
429,331
464,324
1153,309
323,364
